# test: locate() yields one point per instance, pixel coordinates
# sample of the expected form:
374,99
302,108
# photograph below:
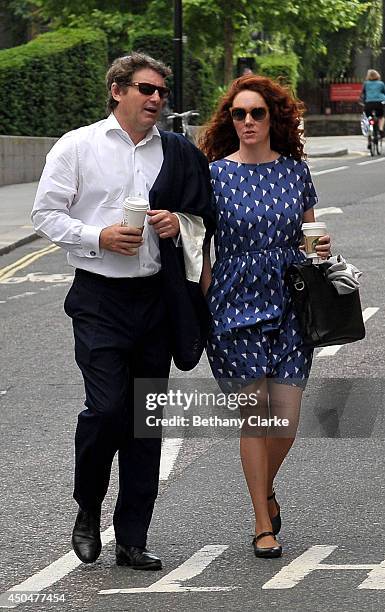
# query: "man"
118,302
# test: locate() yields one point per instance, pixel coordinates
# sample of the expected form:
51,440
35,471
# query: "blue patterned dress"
255,332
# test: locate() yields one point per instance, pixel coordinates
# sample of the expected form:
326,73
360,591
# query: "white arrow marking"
290,575
375,579
171,583
329,351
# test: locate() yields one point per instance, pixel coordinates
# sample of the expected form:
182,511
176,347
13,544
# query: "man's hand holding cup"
121,239
126,237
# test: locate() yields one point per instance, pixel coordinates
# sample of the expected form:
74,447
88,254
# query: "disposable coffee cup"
312,232
134,211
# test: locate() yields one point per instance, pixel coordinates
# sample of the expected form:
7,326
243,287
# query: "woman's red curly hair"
219,138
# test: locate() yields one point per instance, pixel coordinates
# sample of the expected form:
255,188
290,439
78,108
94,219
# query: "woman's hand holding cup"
316,241
323,247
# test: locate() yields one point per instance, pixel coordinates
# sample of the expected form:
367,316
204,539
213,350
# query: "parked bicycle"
185,118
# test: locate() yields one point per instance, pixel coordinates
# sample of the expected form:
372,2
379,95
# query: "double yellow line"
25,261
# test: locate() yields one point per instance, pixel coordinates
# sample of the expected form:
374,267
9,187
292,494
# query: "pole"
383,42
178,64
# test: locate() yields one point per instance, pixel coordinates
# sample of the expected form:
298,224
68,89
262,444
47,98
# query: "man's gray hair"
122,69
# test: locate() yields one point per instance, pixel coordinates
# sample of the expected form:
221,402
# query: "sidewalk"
15,221
17,200
335,146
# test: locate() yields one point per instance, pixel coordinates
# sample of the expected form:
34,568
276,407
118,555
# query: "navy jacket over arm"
183,185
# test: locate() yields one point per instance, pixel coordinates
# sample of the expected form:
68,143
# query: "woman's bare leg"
285,403
254,457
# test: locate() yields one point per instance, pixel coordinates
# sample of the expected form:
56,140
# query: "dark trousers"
121,334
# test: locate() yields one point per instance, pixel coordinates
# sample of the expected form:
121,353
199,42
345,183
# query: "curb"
336,153
18,243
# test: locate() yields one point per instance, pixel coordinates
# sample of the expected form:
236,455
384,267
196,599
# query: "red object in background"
345,92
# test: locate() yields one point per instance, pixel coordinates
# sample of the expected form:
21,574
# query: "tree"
225,25
220,29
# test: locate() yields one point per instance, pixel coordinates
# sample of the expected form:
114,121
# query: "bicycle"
370,129
184,118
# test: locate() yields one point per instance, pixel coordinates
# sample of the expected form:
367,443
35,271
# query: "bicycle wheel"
371,145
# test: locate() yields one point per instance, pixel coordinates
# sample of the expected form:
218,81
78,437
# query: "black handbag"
325,316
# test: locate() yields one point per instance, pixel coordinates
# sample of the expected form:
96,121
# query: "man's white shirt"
87,175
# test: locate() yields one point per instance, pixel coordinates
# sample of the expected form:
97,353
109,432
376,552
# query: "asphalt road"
331,488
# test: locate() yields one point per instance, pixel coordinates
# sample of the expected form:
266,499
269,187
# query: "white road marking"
290,575
52,573
330,210
37,277
329,351
170,452
171,583
25,261
375,579
20,295
68,562
338,169
28,293
374,161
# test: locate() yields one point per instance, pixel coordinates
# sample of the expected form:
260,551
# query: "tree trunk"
229,47
34,25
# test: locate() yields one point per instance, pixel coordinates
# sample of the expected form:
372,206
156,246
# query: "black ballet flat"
276,522
266,553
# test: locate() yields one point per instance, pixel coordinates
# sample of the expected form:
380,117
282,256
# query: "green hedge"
198,86
283,67
53,84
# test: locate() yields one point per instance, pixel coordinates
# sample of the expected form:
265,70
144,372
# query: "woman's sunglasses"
258,113
148,89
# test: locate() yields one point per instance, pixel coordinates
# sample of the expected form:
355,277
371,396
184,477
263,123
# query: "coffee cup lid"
314,225
136,204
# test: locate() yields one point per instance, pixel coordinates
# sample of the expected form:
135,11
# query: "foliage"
115,25
303,24
318,24
320,32
53,84
342,45
198,77
282,67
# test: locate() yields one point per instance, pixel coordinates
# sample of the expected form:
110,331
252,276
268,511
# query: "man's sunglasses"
148,89
258,113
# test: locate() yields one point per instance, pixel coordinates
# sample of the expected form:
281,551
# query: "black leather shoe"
276,522
86,540
266,553
137,558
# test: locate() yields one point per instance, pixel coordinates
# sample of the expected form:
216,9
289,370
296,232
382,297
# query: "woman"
373,95
263,193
